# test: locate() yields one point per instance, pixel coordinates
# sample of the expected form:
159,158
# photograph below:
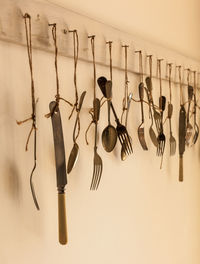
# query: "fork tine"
93,177
123,143
100,173
96,176
126,144
129,142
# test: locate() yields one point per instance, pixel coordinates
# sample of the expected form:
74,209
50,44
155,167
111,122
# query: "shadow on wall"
12,181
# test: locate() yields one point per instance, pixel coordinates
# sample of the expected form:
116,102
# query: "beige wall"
172,24
140,214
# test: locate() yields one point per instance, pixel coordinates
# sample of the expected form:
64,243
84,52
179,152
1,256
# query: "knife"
60,170
182,134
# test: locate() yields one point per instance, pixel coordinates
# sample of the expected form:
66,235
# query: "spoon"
109,135
123,153
73,157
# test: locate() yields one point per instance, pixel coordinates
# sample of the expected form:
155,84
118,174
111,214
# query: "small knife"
182,134
60,170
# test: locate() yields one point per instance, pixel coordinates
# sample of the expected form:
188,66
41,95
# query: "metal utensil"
196,127
97,162
161,137
60,170
73,157
123,153
189,127
172,140
140,128
122,133
151,131
182,134
156,114
109,135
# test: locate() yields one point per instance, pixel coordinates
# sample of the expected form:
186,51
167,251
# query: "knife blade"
182,134
61,174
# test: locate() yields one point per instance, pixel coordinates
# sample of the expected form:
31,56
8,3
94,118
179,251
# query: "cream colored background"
139,214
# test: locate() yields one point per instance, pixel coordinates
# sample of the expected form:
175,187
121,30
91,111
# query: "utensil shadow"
12,181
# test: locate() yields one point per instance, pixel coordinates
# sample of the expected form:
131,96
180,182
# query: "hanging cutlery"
123,152
34,102
140,128
122,133
109,135
151,131
59,150
182,129
97,161
162,102
125,99
73,157
196,127
75,150
189,127
141,95
148,80
60,170
172,140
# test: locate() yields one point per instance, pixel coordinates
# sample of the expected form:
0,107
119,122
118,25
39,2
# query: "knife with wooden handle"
60,170
182,135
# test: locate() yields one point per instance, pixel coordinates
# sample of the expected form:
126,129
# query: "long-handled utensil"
141,128
123,153
151,131
60,170
196,127
189,127
122,133
161,137
162,103
182,129
172,140
148,80
109,135
75,150
182,134
141,95
34,102
97,161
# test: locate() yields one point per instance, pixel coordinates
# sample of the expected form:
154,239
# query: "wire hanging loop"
76,54
169,65
195,99
93,60
125,99
188,76
91,112
29,51
159,74
110,56
57,96
180,83
150,65
140,65
34,102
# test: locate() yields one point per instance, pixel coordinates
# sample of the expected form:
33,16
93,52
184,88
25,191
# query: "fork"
97,161
122,134
156,114
161,137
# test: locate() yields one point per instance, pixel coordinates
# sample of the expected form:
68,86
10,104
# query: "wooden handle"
181,168
62,221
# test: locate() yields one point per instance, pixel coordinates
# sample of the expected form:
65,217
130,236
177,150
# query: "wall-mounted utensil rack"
12,30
